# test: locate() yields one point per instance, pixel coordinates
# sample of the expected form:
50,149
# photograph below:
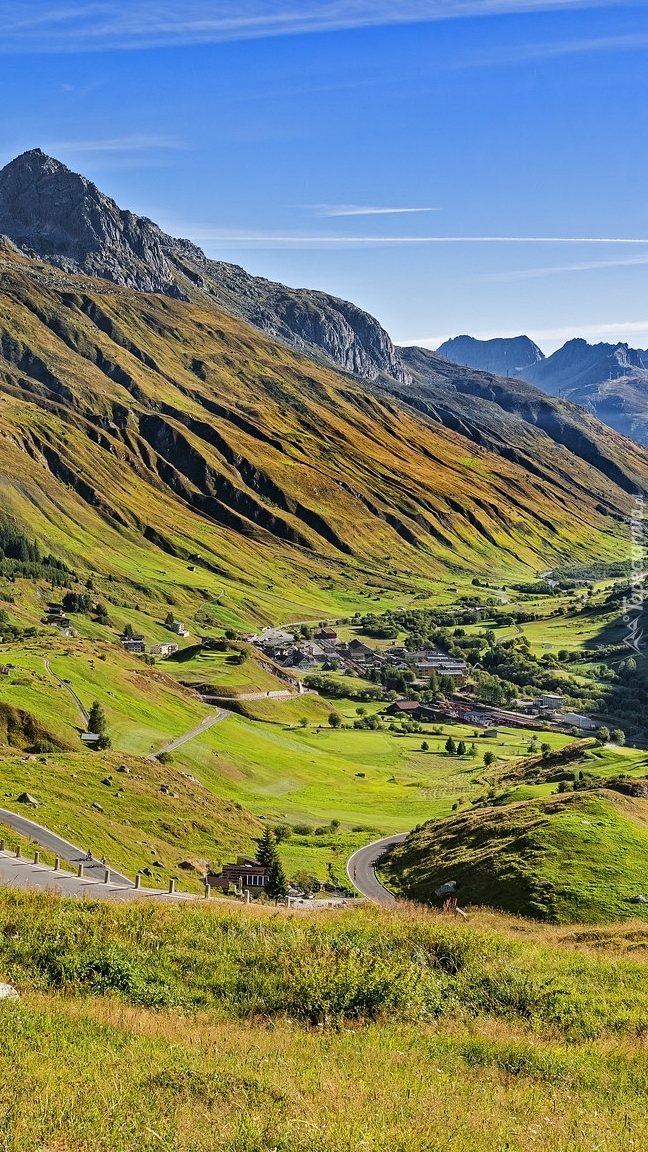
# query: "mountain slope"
64,218
138,424
514,419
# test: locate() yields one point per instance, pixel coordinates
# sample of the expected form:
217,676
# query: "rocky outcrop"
65,219
506,357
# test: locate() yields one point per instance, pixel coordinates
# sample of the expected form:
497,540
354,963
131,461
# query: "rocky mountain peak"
65,219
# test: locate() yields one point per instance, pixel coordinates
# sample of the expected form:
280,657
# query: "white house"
578,721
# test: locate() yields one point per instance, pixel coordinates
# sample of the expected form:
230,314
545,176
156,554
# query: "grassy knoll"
572,858
138,825
192,1030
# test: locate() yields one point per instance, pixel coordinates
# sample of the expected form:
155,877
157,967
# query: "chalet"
178,627
58,620
134,644
164,649
414,710
360,652
246,873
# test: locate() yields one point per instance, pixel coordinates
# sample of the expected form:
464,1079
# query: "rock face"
579,365
65,219
503,357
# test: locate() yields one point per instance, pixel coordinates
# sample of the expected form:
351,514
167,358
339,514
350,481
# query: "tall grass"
326,969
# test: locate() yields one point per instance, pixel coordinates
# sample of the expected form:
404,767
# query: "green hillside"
139,814
574,858
177,455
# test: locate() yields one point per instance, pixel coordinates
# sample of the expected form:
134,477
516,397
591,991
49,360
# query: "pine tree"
276,885
267,853
461,748
450,746
97,719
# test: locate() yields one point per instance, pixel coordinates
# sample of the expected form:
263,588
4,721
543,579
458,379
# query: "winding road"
70,691
94,869
206,724
361,868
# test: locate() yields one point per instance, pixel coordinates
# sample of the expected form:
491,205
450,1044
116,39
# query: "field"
194,1030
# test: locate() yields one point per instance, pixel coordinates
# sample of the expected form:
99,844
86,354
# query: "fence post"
36,857
171,886
207,890
80,870
57,863
107,876
18,852
138,881
2,845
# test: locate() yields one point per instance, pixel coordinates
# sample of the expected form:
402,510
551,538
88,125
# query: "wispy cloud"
136,143
44,26
356,210
249,239
559,269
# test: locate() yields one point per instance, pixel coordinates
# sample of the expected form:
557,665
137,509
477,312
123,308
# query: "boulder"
96,806
447,889
8,993
638,900
26,798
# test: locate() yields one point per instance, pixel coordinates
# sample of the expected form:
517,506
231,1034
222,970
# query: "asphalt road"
74,855
361,868
221,714
24,874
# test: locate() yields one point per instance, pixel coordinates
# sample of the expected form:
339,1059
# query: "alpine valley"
255,552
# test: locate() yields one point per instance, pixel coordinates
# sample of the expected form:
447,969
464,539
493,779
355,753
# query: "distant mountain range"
503,357
609,380
144,412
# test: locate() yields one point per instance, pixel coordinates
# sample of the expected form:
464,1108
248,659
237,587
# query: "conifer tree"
97,719
276,885
267,853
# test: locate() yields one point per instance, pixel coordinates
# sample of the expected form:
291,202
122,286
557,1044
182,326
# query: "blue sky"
453,166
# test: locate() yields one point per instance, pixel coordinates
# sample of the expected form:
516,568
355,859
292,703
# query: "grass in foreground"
353,1030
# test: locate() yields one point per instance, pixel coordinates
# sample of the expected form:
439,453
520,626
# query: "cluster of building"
530,714
56,618
293,651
